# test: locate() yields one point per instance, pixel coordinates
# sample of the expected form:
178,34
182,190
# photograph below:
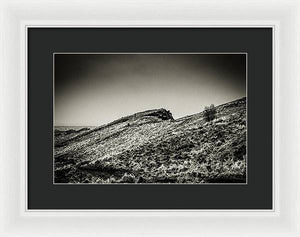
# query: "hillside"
152,147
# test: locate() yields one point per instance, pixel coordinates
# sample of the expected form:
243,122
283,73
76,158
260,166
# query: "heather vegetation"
152,147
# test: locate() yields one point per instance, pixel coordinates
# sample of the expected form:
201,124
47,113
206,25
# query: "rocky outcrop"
161,114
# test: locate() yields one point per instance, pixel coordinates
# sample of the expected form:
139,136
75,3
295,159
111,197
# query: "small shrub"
128,178
162,170
210,113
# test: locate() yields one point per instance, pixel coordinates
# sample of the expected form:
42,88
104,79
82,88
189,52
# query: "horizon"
145,111
96,89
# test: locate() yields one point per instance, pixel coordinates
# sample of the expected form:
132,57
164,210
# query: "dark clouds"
93,89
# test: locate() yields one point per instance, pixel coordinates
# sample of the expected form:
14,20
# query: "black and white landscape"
150,118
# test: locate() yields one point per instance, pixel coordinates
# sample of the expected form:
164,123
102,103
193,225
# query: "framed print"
138,117
149,118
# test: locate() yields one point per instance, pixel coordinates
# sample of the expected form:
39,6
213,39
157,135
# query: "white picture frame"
283,16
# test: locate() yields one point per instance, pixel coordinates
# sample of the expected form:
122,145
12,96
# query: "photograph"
150,118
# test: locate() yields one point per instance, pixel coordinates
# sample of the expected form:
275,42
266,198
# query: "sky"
95,89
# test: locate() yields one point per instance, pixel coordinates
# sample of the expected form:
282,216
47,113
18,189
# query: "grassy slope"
151,147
